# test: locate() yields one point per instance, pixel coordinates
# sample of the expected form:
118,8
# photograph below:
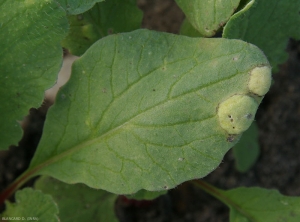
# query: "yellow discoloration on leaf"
29,2
237,113
260,80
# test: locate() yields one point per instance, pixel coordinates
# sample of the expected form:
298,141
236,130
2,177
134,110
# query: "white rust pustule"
237,113
260,80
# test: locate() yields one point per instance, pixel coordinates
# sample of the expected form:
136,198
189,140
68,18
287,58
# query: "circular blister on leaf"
237,113
260,80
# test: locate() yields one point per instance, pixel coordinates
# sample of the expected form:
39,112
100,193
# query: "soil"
278,166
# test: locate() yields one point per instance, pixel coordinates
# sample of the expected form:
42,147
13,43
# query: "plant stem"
15,185
211,190
219,194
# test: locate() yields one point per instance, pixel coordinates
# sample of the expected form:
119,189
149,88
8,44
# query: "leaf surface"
141,111
30,59
31,205
77,202
246,151
146,195
109,17
257,204
262,23
208,16
75,7
188,30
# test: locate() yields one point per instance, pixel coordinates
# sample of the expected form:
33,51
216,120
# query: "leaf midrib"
90,141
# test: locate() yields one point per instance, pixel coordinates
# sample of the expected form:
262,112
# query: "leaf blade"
27,69
247,150
255,203
31,204
103,19
188,30
146,195
261,19
144,111
75,7
262,205
77,202
208,16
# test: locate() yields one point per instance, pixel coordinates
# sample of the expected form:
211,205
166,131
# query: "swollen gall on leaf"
237,113
260,80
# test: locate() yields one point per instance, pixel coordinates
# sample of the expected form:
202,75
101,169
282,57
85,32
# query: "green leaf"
246,151
257,204
146,195
243,4
75,7
78,202
30,59
141,111
188,30
263,25
208,16
31,205
104,18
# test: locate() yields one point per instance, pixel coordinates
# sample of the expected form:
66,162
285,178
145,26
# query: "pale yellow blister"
260,80
237,113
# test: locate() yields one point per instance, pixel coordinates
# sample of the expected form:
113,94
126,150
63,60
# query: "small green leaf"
208,16
78,202
261,205
188,30
261,23
30,59
109,17
140,111
146,195
246,151
256,204
75,7
31,205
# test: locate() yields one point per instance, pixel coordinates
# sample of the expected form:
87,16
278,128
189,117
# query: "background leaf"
188,30
208,16
246,151
75,7
140,111
78,202
264,25
32,203
30,59
104,18
257,204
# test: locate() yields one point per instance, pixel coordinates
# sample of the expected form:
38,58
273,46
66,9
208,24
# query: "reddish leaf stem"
15,185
